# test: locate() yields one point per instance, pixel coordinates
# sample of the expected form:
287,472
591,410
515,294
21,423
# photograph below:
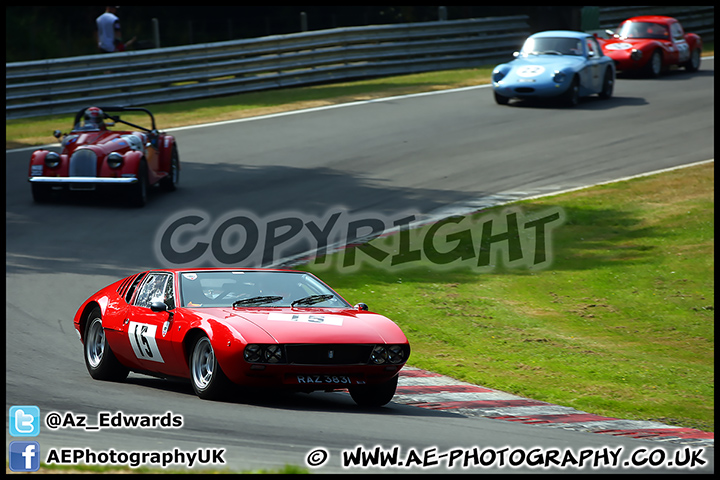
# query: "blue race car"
557,64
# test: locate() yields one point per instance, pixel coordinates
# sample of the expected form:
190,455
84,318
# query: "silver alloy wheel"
202,363
95,343
656,63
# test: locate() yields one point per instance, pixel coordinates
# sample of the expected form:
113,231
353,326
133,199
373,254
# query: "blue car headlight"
559,77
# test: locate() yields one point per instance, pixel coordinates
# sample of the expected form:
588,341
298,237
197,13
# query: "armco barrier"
65,85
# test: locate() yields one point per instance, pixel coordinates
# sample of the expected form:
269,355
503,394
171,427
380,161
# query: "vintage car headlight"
498,74
559,77
636,54
384,354
115,160
264,354
52,160
273,354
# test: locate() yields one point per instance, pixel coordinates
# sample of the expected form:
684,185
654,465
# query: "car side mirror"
57,134
361,306
158,306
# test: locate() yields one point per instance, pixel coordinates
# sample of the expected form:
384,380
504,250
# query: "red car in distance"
94,157
252,327
651,44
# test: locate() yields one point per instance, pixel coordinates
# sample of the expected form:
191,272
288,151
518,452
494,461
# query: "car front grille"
330,354
83,163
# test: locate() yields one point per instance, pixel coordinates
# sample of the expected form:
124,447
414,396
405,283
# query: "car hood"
307,325
616,44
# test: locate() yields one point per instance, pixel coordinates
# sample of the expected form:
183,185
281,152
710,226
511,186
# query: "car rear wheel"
608,84
374,395
170,182
100,361
208,380
694,63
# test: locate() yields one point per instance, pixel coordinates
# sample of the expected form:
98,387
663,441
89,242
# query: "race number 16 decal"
142,339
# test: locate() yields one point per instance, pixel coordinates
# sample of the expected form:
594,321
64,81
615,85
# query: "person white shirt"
108,29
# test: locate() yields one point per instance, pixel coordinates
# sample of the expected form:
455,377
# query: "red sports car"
651,44
93,157
251,327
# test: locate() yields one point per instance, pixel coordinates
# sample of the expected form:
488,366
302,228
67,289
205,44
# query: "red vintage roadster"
94,157
652,44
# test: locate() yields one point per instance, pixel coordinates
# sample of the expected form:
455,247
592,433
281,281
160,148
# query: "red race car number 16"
142,339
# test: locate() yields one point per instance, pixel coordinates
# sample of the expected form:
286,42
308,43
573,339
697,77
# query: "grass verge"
621,324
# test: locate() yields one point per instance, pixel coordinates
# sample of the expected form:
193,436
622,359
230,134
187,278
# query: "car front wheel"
208,380
100,361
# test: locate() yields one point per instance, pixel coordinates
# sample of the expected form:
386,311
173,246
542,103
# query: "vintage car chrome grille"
342,354
83,163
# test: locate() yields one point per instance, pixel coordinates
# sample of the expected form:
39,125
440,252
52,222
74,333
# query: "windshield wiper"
312,299
257,300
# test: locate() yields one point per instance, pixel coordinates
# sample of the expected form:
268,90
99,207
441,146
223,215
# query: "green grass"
92,469
621,324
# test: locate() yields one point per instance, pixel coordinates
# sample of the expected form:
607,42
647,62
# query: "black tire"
40,193
653,69
208,380
171,182
572,96
139,191
608,85
100,361
500,100
374,395
693,65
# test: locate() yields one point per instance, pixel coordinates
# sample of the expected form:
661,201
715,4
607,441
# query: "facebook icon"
24,456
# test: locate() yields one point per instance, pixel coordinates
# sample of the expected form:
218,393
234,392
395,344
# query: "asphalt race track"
421,153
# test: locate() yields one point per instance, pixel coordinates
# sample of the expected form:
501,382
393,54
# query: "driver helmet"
94,118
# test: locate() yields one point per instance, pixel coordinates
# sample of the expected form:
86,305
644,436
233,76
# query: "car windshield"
248,288
644,30
552,46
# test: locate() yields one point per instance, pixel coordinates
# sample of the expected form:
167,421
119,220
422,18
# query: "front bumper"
84,180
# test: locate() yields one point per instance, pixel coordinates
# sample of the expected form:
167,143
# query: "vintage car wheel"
693,65
208,380
608,84
500,100
654,65
139,191
100,361
170,183
374,395
572,97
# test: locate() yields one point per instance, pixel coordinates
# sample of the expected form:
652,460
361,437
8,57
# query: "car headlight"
52,160
253,353
263,354
497,75
636,54
559,77
388,354
115,160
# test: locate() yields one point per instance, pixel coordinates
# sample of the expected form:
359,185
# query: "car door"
682,49
148,328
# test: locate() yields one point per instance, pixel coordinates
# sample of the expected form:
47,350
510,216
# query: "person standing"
108,31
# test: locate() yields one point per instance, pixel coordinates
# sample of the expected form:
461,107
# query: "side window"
593,48
132,288
677,31
153,289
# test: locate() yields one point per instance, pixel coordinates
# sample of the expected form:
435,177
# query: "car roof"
561,33
652,19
